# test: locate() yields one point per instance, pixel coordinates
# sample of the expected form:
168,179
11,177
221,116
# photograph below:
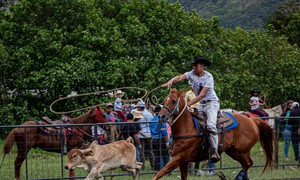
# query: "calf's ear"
93,144
87,152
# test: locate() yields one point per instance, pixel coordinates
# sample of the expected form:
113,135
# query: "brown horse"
32,137
187,141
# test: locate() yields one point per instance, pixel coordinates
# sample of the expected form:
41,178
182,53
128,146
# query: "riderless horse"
50,138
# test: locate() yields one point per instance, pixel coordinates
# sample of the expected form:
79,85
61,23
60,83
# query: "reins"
80,128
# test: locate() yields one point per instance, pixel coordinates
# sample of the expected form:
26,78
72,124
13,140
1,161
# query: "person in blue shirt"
145,139
287,129
160,140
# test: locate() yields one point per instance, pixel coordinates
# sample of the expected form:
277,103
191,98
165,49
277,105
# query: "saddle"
63,120
223,120
58,131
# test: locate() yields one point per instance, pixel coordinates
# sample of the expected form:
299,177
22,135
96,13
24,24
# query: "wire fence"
41,161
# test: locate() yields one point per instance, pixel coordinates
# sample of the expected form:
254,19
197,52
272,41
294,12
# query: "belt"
206,101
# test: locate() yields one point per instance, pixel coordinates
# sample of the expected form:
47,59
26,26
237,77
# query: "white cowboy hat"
137,114
119,92
295,104
140,104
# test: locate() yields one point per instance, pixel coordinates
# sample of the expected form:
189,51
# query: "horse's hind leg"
245,160
18,162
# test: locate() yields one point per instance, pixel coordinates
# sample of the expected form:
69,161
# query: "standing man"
203,85
160,141
130,129
146,141
294,122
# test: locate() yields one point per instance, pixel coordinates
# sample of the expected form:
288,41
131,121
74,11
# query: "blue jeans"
287,136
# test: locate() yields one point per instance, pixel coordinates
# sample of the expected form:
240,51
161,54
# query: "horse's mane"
83,116
174,90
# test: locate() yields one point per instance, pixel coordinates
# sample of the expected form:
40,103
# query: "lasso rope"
95,93
153,99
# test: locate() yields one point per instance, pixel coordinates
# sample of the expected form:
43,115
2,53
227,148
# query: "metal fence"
41,164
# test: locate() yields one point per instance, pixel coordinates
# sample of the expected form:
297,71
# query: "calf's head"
77,158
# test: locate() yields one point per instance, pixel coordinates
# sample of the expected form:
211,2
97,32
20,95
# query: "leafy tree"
54,47
285,20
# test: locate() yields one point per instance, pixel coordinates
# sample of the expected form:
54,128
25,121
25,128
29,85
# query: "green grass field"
42,165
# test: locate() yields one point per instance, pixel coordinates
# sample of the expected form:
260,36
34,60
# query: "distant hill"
247,14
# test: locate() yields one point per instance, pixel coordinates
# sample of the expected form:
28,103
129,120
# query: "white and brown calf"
99,158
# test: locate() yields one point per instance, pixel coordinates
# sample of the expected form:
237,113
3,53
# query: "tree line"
54,47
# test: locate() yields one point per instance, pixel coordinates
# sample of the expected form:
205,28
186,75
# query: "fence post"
277,131
26,151
62,139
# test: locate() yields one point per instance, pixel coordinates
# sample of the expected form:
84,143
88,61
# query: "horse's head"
97,115
172,106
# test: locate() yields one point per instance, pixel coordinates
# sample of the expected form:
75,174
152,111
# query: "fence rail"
40,164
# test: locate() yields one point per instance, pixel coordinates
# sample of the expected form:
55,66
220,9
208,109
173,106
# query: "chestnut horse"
36,138
187,142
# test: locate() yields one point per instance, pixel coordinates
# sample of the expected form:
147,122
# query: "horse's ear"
181,93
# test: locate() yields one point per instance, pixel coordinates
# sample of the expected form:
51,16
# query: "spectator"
129,129
109,112
137,117
113,130
101,135
118,105
146,141
294,122
287,129
160,140
190,95
254,103
211,168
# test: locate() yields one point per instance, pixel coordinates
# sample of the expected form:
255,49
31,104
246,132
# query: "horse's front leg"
174,163
184,170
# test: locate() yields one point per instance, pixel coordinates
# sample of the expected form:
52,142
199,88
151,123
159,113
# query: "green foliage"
61,46
246,14
286,21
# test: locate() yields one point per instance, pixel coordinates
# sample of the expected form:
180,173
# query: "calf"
99,158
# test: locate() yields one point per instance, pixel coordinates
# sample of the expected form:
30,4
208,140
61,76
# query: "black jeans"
295,141
161,153
147,151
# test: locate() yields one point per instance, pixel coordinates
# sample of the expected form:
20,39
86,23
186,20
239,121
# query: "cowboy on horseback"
203,86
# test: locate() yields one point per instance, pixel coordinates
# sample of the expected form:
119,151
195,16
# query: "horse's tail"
9,141
8,144
267,141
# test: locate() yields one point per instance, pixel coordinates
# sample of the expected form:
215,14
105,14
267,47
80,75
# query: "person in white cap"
118,105
294,122
145,139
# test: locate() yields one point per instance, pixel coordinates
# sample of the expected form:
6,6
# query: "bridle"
171,112
171,122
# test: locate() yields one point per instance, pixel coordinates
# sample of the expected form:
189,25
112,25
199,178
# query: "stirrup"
214,157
